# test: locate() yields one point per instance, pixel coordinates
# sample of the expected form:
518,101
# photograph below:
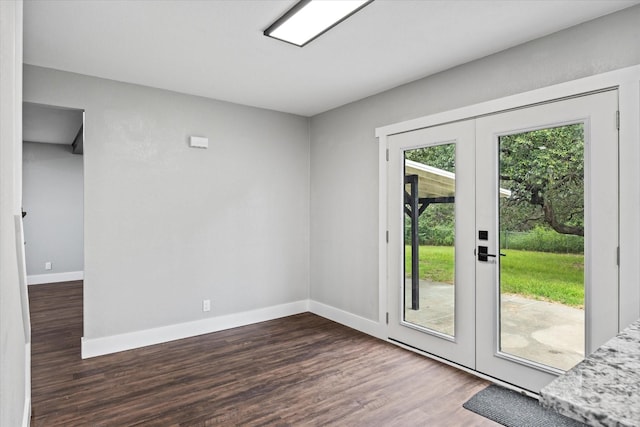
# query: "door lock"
483,253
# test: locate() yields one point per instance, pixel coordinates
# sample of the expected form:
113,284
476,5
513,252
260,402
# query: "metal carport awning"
434,183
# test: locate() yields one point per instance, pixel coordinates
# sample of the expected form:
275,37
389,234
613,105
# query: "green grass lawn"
539,275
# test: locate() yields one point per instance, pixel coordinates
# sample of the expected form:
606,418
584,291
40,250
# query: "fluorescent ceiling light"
309,19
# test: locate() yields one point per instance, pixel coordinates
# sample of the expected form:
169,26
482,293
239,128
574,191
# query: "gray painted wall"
167,226
52,197
15,387
344,152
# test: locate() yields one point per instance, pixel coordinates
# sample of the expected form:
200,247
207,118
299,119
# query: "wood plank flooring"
296,371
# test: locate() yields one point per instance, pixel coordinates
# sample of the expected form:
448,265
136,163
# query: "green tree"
544,169
439,156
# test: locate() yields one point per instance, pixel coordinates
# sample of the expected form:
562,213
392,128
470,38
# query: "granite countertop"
603,389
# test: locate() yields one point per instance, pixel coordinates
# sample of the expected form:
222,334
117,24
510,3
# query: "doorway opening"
53,199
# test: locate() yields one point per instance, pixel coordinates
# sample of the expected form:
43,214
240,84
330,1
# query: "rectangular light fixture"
309,19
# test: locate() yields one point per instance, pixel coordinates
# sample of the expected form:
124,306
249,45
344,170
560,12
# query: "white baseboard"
37,279
93,347
26,414
351,320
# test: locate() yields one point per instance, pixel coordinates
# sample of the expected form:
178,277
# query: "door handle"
483,253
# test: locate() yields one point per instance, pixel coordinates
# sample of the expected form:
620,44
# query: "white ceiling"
216,48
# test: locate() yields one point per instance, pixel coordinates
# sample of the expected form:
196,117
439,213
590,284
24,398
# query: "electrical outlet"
47,265
206,305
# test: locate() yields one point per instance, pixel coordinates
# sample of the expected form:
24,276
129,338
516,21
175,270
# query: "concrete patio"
545,332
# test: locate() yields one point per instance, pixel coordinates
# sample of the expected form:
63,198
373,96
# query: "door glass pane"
541,274
429,232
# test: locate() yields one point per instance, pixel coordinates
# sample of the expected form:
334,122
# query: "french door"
503,237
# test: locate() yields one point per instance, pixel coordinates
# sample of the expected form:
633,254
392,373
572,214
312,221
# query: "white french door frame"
627,81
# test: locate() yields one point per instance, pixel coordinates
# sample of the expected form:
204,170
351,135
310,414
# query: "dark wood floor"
299,370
